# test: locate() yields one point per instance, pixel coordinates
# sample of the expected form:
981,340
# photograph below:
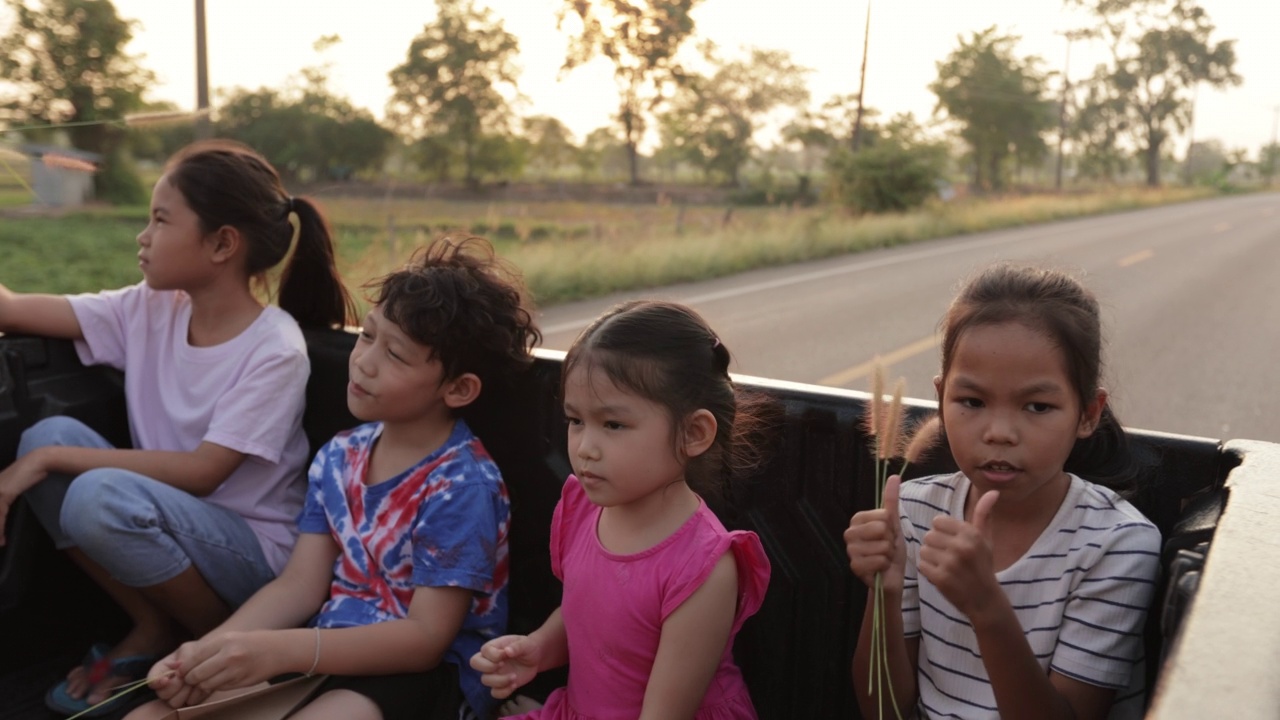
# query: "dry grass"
567,250
641,247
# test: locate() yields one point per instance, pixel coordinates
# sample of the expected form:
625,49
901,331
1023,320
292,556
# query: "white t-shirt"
1080,592
246,394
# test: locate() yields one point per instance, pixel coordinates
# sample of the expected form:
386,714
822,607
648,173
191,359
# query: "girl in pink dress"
655,588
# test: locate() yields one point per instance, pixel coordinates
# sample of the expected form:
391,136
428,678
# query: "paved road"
1191,297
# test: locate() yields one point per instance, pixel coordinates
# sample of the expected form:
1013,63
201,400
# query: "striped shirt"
1080,592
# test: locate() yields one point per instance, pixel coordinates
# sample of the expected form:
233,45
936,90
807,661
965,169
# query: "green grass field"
566,250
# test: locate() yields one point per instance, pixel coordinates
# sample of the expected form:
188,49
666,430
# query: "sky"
254,43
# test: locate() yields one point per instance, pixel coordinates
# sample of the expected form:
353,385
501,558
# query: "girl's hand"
874,542
23,474
166,681
956,558
506,663
232,660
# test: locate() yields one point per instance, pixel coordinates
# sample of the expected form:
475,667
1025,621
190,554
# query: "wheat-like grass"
920,441
884,422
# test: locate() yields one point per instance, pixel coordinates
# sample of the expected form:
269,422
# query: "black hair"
667,354
458,298
1058,305
227,183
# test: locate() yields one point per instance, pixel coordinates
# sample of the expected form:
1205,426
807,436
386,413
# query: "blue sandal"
99,668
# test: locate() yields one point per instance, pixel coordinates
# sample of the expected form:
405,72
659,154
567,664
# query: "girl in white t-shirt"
1013,588
187,525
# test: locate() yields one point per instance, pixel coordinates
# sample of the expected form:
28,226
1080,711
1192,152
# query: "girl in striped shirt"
1014,588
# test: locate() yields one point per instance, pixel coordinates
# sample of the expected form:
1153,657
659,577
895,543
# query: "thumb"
982,513
891,488
519,647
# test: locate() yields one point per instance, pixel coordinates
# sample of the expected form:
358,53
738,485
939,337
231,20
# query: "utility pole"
203,130
1070,35
862,82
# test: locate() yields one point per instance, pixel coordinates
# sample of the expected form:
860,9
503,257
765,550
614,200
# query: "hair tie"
293,206
715,342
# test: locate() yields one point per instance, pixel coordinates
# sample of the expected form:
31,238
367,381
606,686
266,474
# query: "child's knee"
340,703
99,507
58,430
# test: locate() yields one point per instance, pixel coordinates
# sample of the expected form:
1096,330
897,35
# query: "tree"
998,100
819,132
603,154
305,129
65,62
896,168
1269,162
448,87
1098,127
1161,49
1208,162
713,118
312,135
168,130
551,146
640,38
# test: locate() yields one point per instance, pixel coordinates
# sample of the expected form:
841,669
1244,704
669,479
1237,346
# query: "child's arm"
956,558
293,597
49,315
198,472
1021,687
415,644
286,602
506,663
692,642
875,546
228,659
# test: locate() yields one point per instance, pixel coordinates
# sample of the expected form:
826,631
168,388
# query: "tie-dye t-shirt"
442,523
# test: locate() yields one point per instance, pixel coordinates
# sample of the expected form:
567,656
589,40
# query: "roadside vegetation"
567,250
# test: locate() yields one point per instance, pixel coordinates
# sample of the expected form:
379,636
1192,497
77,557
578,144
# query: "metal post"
203,128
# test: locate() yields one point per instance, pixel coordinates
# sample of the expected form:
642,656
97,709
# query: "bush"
889,176
769,192
118,183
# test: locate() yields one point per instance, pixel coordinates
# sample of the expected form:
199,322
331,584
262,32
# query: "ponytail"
228,183
752,441
310,288
1106,457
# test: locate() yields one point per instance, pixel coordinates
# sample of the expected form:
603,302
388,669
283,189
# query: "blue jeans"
141,531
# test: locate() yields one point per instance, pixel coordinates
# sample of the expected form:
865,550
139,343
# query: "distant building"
61,177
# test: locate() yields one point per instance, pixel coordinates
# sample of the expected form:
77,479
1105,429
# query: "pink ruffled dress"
614,607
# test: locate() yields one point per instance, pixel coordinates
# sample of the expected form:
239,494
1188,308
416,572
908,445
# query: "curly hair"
470,307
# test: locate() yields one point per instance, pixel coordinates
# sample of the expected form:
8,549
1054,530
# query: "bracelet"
316,661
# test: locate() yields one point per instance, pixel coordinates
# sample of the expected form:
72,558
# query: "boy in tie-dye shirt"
400,570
